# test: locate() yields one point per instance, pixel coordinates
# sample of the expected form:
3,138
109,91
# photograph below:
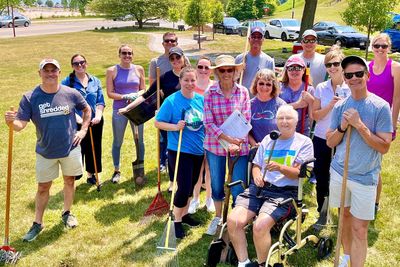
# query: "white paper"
235,126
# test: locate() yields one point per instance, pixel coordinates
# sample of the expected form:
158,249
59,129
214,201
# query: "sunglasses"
172,41
311,41
256,37
358,74
201,67
124,53
295,68
335,64
226,70
176,57
77,63
266,84
377,46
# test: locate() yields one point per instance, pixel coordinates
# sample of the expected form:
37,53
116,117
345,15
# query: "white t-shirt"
296,149
317,68
324,92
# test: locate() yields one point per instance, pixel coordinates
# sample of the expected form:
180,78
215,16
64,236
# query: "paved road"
64,26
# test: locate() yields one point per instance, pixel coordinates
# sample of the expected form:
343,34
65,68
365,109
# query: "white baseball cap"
46,61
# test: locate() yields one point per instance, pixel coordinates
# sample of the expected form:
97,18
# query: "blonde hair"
268,75
185,70
334,53
384,36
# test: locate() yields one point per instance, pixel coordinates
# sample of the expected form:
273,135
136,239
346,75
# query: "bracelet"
340,129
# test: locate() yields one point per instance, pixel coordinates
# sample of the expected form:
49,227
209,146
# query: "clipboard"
235,126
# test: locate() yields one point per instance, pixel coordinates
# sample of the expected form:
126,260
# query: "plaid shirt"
217,109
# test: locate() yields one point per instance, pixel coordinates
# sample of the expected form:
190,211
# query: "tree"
80,5
39,2
217,13
307,20
49,3
245,9
174,15
65,3
370,15
197,14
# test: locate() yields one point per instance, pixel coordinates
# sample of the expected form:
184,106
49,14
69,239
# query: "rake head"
159,206
9,255
167,244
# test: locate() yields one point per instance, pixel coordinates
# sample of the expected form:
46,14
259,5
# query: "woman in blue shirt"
90,88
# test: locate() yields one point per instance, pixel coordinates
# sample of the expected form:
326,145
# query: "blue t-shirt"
171,111
93,93
263,116
54,118
364,161
290,96
296,149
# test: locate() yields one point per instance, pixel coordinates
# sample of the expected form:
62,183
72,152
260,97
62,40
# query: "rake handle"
96,173
342,198
8,186
245,51
158,131
304,110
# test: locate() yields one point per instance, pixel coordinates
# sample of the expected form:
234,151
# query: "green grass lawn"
112,231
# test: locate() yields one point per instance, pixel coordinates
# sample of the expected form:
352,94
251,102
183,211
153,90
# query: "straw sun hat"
226,61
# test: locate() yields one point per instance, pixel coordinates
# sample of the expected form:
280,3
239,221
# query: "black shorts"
268,200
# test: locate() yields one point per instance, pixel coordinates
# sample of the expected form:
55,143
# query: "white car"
285,29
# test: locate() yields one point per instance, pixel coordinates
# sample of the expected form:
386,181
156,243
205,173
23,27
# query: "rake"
8,254
159,205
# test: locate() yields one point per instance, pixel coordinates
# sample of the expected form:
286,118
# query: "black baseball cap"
353,59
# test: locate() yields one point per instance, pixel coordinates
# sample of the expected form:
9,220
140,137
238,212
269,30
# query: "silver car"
19,20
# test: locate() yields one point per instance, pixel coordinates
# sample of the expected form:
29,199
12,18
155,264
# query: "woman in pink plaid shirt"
220,101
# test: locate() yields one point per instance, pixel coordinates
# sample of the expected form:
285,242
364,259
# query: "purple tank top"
383,84
127,81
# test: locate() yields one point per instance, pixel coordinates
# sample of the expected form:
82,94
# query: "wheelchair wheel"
325,247
231,257
278,265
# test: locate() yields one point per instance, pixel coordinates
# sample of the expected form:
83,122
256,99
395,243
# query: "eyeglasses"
176,57
295,68
201,67
311,41
330,64
358,74
266,84
77,63
377,46
172,41
124,53
227,70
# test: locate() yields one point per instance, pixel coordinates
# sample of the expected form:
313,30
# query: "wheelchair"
287,244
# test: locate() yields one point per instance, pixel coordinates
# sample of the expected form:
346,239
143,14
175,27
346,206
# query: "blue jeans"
217,172
119,123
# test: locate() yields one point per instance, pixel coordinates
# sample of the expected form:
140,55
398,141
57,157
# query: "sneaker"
313,180
33,232
91,179
163,168
194,204
321,222
376,209
69,220
179,231
187,219
344,261
115,177
212,228
210,205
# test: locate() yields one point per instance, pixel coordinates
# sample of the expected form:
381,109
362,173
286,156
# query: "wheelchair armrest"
252,154
286,201
303,167
236,183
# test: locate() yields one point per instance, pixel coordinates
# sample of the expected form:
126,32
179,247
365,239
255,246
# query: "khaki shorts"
360,198
48,169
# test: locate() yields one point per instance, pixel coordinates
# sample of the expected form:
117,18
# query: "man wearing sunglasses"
313,59
371,122
256,59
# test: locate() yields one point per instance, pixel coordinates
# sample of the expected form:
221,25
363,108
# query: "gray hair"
287,109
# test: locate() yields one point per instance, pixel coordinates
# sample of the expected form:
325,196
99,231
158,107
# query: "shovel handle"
8,186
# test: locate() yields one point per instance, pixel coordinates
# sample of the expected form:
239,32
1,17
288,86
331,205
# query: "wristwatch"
340,129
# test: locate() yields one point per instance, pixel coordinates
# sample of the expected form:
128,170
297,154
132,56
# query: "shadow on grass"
133,29
45,238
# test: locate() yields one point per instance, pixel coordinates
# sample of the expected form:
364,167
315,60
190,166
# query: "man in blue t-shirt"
51,107
370,119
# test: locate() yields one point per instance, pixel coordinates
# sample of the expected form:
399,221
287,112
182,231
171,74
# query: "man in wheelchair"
275,172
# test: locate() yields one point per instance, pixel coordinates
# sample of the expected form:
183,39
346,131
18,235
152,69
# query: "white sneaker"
212,228
210,205
344,261
194,204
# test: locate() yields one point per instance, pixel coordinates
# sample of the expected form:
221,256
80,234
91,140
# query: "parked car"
394,33
345,36
285,29
229,26
19,20
323,25
242,29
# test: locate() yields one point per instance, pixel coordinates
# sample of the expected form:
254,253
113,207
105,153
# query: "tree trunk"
198,37
213,30
140,23
307,19
369,34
